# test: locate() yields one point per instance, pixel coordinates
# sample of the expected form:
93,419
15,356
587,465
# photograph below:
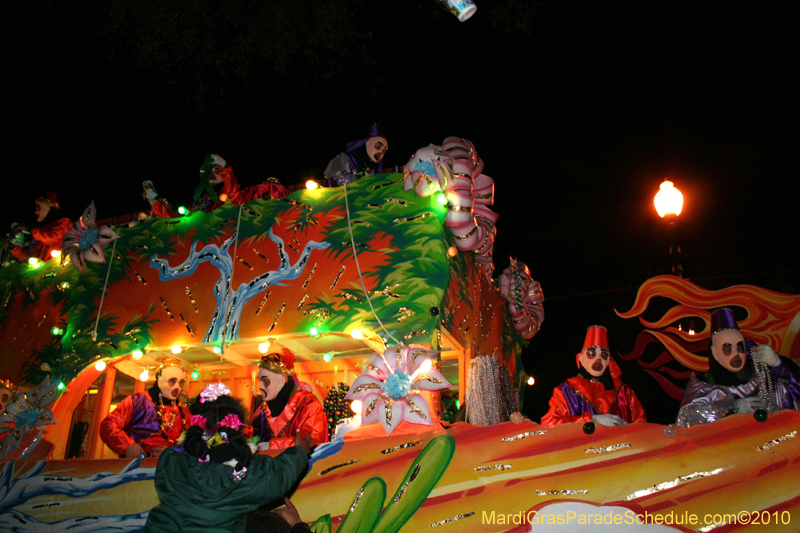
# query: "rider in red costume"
146,423
287,408
49,232
596,393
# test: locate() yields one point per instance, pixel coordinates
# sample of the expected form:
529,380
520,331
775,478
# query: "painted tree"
225,321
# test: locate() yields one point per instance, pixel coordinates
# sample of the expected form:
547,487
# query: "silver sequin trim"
775,442
606,449
674,483
400,447
355,502
451,520
492,467
525,435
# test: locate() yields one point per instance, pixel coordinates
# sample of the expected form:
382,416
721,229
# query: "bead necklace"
766,387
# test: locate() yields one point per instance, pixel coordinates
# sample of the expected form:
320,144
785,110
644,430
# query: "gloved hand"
150,193
608,420
764,354
748,405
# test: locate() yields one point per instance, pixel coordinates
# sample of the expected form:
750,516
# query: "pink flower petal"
94,254
88,216
430,380
363,385
375,360
417,356
417,410
76,257
105,235
372,416
390,413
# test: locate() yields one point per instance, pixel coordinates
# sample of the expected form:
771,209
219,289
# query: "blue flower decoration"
88,238
398,384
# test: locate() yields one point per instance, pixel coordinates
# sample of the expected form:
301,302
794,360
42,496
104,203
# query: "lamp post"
669,203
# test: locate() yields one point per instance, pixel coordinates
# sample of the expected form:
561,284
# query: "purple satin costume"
704,402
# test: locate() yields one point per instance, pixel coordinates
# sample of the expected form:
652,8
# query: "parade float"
387,281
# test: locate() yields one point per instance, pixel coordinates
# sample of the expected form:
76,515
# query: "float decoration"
26,411
85,240
525,298
337,408
491,398
773,318
456,169
389,386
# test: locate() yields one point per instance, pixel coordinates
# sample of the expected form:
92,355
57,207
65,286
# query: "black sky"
578,123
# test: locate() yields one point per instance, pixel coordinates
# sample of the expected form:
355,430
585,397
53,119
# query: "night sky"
579,115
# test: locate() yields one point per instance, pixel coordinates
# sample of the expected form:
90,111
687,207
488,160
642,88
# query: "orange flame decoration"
773,317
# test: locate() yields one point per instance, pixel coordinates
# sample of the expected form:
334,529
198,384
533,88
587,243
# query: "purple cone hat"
722,319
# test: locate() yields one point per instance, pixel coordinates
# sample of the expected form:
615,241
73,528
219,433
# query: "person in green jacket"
211,480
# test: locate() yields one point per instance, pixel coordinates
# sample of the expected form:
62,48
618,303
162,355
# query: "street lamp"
669,204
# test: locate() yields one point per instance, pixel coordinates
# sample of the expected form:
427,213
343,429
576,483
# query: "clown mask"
5,396
727,347
270,383
171,382
376,148
594,360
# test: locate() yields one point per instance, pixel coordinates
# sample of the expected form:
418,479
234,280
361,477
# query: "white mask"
270,383
171,382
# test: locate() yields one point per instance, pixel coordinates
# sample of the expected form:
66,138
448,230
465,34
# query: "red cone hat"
596,336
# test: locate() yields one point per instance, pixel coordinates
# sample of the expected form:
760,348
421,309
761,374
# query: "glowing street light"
669,204
668,200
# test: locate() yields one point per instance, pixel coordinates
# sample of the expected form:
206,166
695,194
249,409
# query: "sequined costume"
704,401
578,399
303,411
203,497
136,420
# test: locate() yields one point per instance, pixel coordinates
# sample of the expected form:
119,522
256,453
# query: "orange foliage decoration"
773,318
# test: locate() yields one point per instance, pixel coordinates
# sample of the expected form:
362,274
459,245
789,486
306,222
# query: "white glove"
764,354
608,420
748,405
150,193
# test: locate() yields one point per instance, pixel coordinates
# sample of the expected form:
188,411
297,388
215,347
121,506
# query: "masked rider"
596,393
146,423
734,382
286,406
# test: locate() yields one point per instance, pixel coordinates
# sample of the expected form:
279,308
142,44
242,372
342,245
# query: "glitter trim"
674,483
775,442
407,483
400,447
565,492
365,387
606,449
355,501
451,520
334,467
425,377
492,467
415,409
525,435
371,406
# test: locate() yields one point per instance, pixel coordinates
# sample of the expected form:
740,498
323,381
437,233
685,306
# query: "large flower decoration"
524,296
456,169
24,412
389,387
84,241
